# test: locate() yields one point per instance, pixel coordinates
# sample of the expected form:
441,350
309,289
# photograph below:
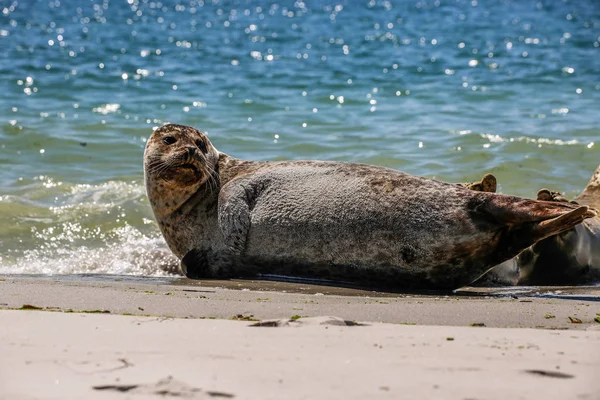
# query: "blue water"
445,89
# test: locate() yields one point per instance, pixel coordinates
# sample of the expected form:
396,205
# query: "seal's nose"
191,151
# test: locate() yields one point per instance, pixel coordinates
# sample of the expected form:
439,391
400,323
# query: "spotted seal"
225,217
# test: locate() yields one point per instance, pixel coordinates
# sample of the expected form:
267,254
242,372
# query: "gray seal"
225,217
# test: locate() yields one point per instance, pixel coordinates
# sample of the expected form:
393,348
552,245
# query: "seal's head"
178,160
180,155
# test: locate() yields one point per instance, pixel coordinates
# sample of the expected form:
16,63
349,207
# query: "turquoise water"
444,89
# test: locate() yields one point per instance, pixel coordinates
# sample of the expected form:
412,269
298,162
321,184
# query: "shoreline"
519,307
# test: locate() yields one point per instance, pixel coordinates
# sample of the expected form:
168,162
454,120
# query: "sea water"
448,89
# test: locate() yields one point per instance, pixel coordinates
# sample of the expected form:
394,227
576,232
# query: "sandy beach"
125,337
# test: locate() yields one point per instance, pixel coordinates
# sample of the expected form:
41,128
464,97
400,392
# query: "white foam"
526,139
126,251
104,229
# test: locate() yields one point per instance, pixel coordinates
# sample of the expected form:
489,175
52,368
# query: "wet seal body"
226,217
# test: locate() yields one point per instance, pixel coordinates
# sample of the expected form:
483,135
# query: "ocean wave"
66,229
126,251
496,138
527,139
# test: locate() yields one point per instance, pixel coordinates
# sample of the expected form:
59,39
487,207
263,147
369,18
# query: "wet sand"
126,337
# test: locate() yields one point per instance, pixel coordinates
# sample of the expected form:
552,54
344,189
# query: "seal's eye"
201,145
169,140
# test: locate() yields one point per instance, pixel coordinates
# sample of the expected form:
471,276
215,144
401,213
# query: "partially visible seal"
572,257
569,258
226,217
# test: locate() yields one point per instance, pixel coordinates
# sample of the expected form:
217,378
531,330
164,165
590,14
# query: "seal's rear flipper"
556,225
520,223
530,220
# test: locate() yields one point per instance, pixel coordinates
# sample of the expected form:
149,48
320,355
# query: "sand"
119,337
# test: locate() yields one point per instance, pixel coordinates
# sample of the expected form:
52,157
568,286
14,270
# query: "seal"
569,258
225,217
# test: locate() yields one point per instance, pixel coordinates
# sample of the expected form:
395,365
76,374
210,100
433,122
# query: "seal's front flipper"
207,264
547,195
194,265
234,215
488,183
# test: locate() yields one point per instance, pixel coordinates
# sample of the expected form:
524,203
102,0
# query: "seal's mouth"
190,172
190,167
183,168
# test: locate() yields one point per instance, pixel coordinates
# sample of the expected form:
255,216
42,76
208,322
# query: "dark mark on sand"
551,374
165,388
30,307
242,317
198,291
117,388
220,394
95,311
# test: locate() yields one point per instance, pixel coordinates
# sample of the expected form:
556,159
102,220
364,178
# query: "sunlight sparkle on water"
107,108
